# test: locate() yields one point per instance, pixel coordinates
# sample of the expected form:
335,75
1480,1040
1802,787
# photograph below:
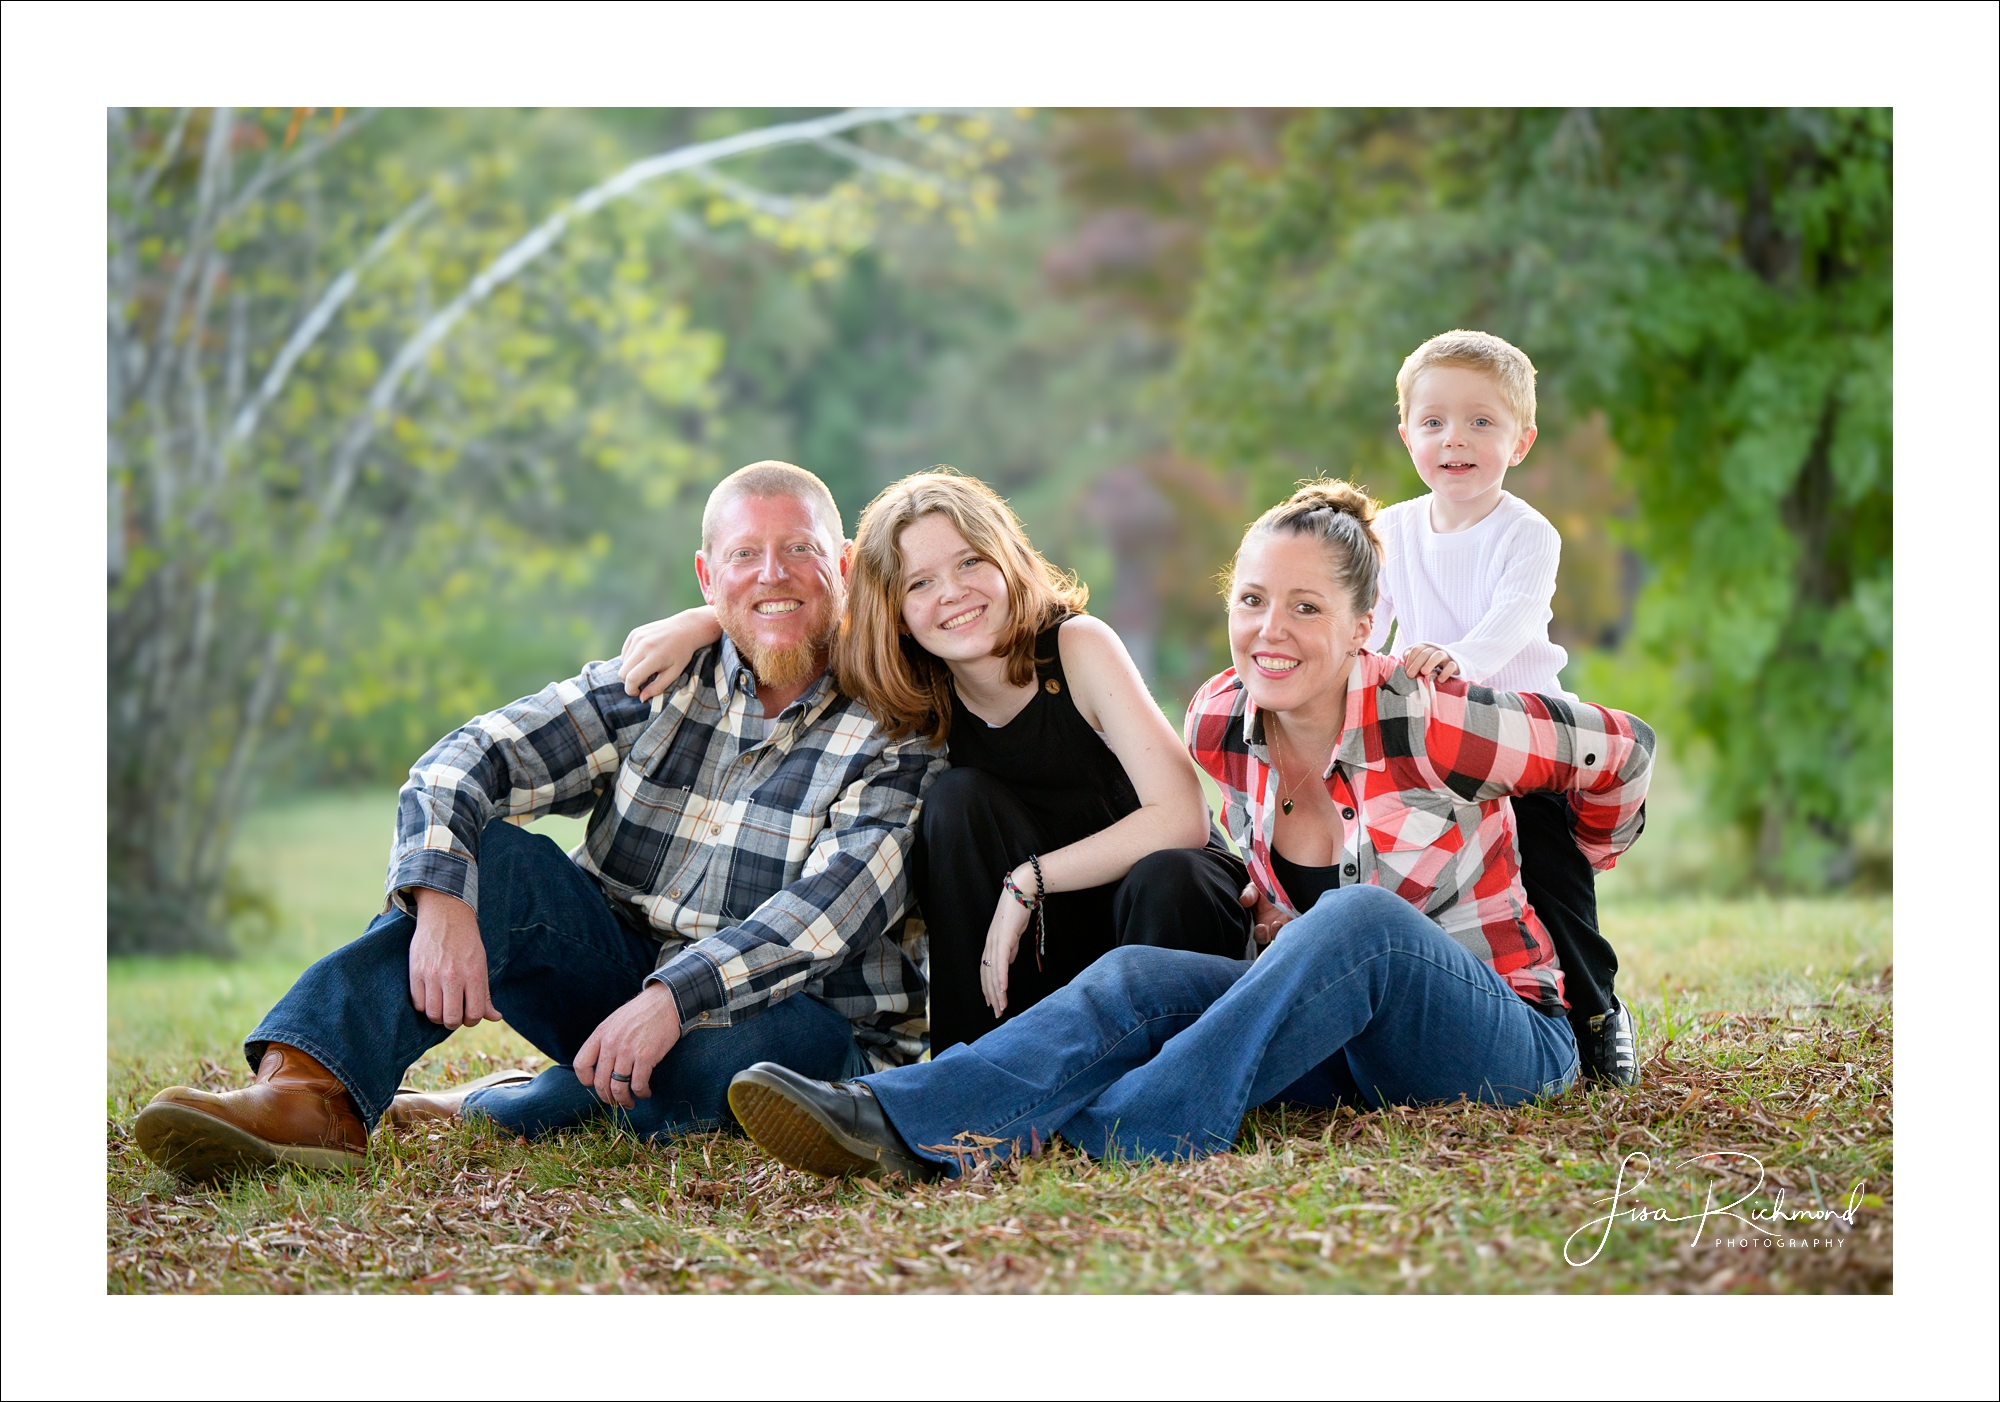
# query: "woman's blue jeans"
1160,1052
558,962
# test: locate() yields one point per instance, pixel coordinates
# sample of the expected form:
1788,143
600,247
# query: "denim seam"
1056,1092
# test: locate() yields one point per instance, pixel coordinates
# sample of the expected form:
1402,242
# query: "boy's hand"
1425,658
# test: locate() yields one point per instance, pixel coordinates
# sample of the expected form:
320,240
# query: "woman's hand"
1003,942
1265,919
655,654
1425,658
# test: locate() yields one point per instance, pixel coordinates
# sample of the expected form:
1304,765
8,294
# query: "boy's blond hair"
1506,364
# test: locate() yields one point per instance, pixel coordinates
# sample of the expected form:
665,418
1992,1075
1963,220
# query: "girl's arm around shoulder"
656,654
1112,697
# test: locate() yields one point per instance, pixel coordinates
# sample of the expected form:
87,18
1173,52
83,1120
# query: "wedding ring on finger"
617,1077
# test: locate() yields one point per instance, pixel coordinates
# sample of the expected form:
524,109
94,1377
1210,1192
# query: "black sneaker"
1608,1049
831,1128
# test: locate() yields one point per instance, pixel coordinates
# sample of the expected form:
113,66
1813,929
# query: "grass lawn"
1765,1027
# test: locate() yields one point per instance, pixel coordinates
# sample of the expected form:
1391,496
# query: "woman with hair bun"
1402,961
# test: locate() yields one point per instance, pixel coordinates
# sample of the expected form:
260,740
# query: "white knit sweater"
1480,594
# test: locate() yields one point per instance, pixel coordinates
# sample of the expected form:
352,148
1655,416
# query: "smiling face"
1461,435
1293,631
954,599
775,574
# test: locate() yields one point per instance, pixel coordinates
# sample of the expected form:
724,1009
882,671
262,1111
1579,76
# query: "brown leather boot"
413,1107
295,1113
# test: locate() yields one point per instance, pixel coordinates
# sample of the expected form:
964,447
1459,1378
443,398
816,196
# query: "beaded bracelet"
1041,916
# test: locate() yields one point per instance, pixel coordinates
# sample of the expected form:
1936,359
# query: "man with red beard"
739,895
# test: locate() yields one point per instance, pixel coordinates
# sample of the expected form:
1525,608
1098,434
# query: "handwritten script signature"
1769,1221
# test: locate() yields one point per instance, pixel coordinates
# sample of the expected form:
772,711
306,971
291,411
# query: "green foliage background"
1140,326
1714,286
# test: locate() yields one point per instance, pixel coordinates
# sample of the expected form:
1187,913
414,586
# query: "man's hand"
448,963
1003,942
630,1043
1265,919
1425,658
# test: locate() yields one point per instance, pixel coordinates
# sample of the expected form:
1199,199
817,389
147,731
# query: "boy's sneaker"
1608,1051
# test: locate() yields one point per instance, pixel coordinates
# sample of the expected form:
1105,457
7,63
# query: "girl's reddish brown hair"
876,661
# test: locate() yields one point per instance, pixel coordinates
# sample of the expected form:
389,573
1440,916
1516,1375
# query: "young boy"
1467,578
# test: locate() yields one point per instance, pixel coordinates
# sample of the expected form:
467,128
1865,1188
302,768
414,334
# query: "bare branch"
382,398
882,165
317,320
171,147
775,205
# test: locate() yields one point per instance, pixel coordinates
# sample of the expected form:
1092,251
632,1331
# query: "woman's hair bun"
1332,494
1339,514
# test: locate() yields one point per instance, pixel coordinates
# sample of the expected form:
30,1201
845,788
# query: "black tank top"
1048,755
1305,885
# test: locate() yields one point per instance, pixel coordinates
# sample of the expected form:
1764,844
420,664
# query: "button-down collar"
743,681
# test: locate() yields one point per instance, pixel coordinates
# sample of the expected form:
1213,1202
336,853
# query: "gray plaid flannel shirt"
765,867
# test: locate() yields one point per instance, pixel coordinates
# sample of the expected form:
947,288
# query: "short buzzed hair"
771,478
1503,363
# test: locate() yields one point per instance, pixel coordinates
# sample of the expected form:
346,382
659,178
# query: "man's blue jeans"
1160,1052
558,962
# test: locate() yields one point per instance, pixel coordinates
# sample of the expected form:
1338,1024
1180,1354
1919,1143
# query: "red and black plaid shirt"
1421,775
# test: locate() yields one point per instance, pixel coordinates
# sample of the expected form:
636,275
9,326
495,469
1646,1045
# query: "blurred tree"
1716,284
320,497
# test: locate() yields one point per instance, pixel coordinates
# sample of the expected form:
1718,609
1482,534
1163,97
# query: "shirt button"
1347,812
1347,870
674,894
714,828
1590,759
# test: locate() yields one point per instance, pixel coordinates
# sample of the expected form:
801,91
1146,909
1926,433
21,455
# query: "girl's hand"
1265,919
1003,942
655,654
1425,658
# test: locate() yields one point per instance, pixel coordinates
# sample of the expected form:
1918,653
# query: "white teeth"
1277,664
961,620
777,606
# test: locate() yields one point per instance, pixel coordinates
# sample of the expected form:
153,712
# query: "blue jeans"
1160,1052
558,962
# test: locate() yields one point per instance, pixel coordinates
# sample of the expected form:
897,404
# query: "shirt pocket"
1415,820
1419,836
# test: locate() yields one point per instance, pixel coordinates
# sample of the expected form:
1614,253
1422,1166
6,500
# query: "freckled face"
1461,435
954,598
775,575
1292,632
